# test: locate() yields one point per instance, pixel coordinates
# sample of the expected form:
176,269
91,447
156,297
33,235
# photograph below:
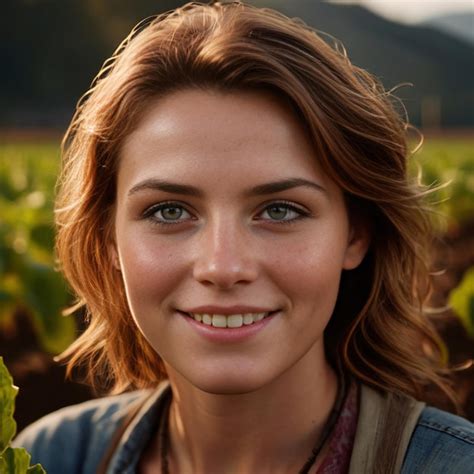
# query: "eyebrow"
259,190
283,185
166,186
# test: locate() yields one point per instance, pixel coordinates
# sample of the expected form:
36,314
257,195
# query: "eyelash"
151,211
301,213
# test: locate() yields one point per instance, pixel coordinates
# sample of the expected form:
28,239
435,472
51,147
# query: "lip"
226,310
228,335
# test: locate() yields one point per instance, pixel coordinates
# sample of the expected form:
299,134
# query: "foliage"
28,280
449,164
462,301
12,460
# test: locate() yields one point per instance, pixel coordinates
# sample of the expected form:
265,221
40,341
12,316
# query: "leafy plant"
12,460
28,280
462,301
450,163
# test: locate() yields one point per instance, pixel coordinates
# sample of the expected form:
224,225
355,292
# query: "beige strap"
385,426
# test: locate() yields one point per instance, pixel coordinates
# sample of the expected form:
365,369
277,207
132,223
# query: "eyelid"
303,212
149,211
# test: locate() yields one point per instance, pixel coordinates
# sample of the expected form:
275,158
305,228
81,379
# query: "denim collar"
139,432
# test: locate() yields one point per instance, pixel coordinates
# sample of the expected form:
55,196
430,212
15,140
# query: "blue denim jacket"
73,440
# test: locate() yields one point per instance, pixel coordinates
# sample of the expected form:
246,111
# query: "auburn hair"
379,331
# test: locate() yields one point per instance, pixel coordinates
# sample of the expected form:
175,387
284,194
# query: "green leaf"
36,469
43,235
17,460
12,460
6,297
8,393
59,336
46,296
461,300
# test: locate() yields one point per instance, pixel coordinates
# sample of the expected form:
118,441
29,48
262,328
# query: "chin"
228,387
227,382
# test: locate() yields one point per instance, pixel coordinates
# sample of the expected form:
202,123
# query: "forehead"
244,132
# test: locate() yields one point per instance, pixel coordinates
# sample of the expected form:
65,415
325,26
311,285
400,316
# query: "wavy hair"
379,330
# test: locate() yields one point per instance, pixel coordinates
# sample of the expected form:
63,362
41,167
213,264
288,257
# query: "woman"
235,215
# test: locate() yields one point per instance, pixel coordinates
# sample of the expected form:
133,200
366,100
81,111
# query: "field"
31,289
28,172
449,163
27,277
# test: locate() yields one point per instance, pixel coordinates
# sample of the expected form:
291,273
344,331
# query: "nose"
225,256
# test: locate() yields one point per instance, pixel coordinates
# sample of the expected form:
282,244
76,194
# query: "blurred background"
51,49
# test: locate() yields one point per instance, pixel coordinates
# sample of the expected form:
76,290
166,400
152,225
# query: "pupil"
172,213
277,212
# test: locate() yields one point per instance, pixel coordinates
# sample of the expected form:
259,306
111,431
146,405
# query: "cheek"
151,269
310,273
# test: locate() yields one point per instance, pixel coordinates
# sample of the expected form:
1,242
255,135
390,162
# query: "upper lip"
226,310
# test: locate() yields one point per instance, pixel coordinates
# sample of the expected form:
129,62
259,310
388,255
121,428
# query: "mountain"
440,66
50,51
457,24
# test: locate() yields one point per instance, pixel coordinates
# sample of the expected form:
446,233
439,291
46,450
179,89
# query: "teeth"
230,321
219,321
235,321
248,319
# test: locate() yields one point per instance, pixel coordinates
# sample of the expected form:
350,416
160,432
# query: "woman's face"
224,216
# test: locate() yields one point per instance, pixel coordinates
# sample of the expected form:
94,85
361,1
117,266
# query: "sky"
413,11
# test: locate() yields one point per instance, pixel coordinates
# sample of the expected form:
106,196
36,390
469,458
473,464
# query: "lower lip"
229,334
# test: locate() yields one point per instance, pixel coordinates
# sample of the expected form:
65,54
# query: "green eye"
282,212
171,213
278,212
167,213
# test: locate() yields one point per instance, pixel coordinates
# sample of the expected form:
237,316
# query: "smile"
230,320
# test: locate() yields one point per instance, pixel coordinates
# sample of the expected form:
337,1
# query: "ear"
113,255
358,243
111,244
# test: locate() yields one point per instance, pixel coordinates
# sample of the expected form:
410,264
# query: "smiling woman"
235,220
235,214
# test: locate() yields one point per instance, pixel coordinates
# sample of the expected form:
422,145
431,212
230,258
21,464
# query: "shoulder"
75,437
441,442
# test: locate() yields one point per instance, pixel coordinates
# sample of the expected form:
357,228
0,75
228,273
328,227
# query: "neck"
272,429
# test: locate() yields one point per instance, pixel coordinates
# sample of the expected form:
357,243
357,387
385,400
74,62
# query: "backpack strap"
385,426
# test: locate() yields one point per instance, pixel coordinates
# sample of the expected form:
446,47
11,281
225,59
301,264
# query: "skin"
264,400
